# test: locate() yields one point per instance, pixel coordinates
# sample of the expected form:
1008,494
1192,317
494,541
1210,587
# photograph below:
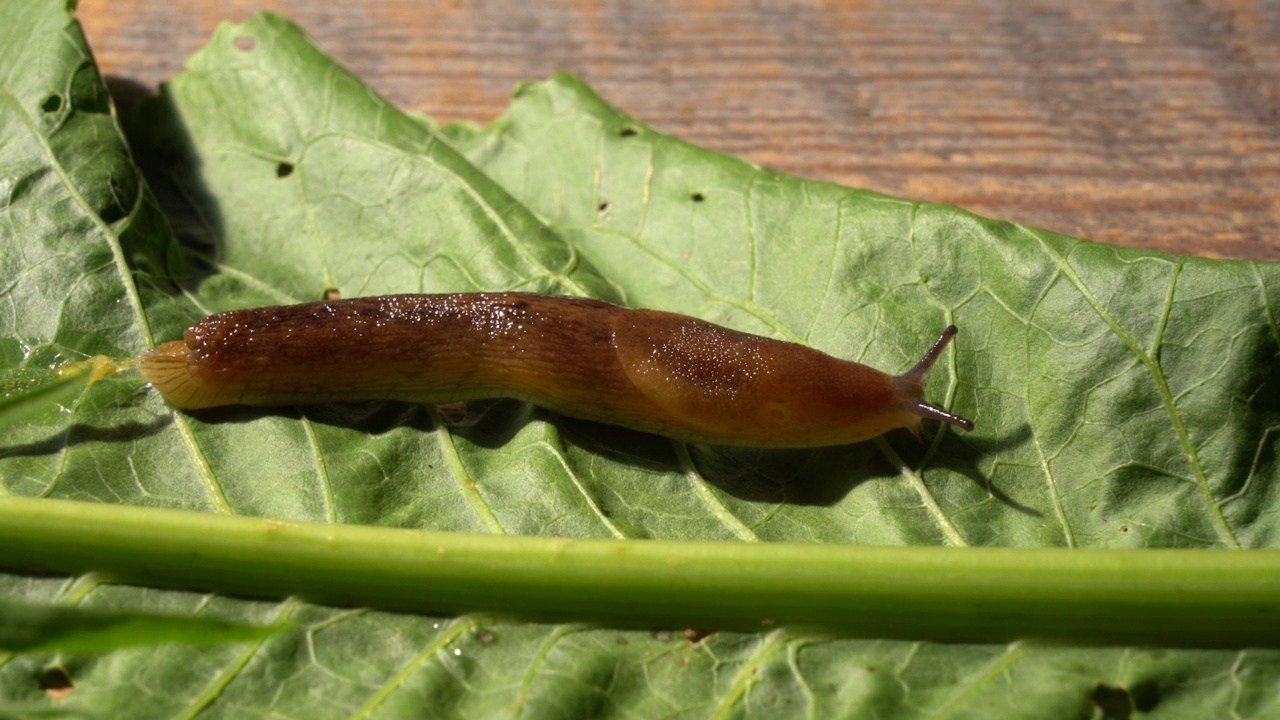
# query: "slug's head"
909,390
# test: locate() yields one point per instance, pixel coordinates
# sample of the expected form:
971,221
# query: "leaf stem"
1172,598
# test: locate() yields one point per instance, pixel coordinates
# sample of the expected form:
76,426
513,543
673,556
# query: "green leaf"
1123,399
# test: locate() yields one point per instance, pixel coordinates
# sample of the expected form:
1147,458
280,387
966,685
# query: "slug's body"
659,372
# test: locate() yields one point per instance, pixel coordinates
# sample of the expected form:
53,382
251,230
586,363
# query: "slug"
659,372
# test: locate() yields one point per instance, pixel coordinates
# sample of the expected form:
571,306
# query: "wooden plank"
1145,123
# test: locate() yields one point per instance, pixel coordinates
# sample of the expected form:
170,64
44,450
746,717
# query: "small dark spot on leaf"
52,104
486,638
246,43
1115,702
603,206
56,683
662,635
628,132
284,169
1124,528
697,197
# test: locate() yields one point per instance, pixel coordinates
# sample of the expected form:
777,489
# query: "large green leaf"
1123,399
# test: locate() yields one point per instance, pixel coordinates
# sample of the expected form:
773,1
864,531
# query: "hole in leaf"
56,683
284,169
116,209
697,635
52,104
628,132
1115,702
245,43
1145,697
697,197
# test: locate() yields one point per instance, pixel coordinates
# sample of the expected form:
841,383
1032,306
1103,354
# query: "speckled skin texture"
654,371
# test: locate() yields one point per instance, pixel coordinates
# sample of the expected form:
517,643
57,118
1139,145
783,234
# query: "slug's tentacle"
909,387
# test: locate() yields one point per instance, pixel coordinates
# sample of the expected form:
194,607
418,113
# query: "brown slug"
659,372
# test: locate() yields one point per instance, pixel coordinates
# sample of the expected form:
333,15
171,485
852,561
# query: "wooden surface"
1144,123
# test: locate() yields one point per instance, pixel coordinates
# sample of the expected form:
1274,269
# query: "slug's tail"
910,389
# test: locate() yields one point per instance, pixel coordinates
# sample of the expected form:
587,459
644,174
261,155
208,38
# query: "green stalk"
1186,598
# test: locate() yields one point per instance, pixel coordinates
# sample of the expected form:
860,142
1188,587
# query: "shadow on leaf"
819,476
80,434
165,152
964,462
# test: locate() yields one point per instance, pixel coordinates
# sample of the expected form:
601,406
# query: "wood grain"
1144,123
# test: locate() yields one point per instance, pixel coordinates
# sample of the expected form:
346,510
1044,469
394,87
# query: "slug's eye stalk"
910,389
